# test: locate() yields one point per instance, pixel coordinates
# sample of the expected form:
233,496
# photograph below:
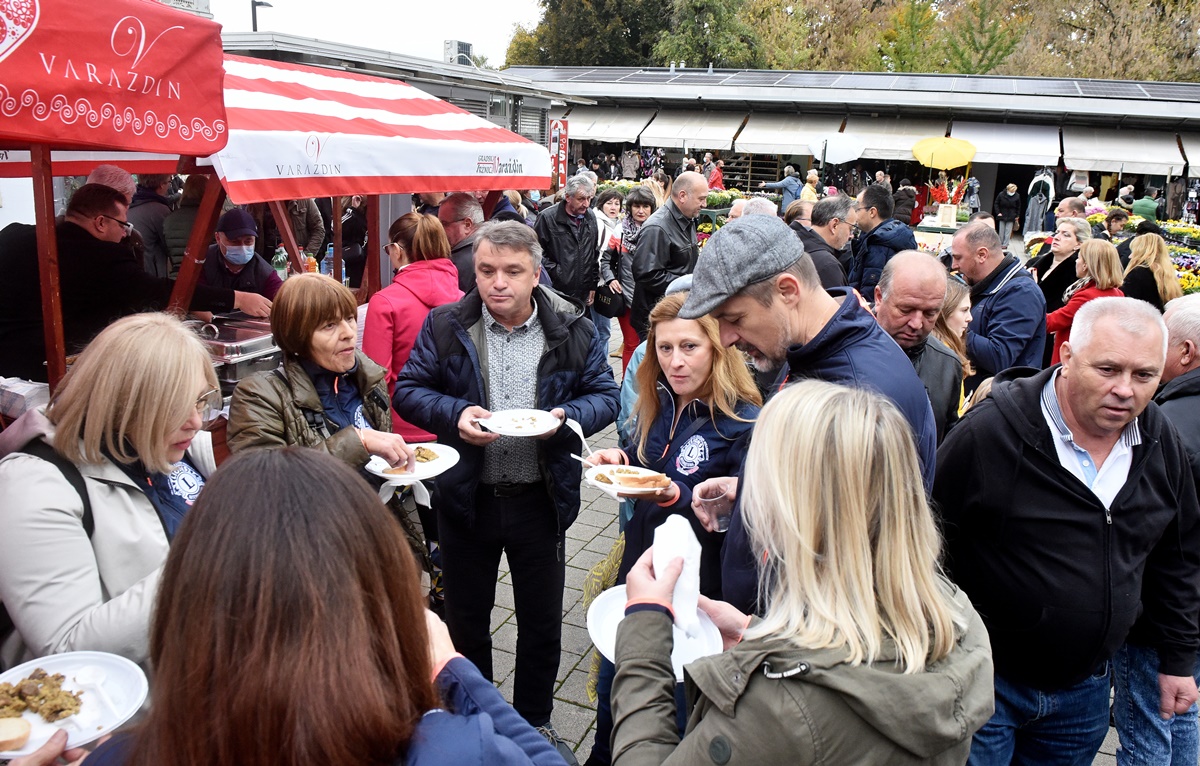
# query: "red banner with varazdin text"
117,74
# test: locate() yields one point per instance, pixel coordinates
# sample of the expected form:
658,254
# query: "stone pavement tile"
601,543
505,636
568,662
504,596
572,722
596,518
574,689
575,640
575,546
585,745
1104,760
576,616
1110,742
586,559
575,578
503,665
584,532
500,615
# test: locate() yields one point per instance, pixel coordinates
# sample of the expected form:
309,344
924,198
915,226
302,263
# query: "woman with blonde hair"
1150,275
692,419
1098,269
952,322
95,485
865,653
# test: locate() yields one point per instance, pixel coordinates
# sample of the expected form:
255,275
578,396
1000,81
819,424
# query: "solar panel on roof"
648,77
867,81
1034,87
601,75
755,78
1178,92
809,80
699,79
917,82
1110,89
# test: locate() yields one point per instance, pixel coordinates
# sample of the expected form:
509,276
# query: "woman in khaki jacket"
865,655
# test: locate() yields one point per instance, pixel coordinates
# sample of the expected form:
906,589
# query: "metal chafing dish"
240,347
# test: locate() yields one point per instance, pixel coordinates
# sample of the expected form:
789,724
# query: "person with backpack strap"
94,486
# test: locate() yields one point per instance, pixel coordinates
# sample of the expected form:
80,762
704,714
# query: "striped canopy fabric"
298,131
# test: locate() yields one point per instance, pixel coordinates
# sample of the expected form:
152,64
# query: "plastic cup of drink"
719,508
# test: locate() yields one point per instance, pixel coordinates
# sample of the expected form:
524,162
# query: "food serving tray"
226,342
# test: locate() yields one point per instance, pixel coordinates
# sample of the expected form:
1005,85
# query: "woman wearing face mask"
233,263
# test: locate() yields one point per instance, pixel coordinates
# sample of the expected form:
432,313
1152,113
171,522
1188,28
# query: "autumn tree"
782,30
703,32
524,49
910,42
844,35
983,33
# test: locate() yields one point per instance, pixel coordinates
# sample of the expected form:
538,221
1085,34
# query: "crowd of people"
946,507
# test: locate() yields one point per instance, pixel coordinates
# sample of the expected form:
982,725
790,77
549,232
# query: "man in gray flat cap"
755,279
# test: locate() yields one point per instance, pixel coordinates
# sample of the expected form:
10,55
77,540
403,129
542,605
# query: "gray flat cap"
739,254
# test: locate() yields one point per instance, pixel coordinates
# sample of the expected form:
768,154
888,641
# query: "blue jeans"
1145,737
1031,726
603,329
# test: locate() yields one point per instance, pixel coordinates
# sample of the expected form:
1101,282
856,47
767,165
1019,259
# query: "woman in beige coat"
865,653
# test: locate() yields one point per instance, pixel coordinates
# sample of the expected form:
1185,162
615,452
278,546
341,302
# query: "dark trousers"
525,527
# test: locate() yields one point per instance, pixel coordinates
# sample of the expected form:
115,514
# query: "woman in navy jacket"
692,421
296,635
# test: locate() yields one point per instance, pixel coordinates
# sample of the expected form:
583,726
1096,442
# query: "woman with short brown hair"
295,635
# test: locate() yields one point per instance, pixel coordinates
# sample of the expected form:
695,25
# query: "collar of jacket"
848,325
1009,269
1187,384
556,312
681,220
366,375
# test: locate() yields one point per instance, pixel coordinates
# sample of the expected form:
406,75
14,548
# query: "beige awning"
785,134
1125,151
674,129
888,138
1011,144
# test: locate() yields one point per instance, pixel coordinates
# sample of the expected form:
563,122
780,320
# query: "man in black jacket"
568,234
1069,509
825,240
666,246
908,301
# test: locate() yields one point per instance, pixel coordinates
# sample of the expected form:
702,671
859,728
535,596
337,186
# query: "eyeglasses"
126,225
958,278
208,404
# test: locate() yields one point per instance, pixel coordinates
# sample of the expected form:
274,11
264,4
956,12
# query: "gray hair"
899,261
511,235
1131,315
581,182
788,170
760,206
832,207
1182,316
464,205
114,178
979,234
1083,229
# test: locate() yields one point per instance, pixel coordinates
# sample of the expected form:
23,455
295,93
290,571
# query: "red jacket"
1059,322
394,317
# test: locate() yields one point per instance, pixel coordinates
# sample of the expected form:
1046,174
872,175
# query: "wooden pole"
283,222
52,320
489,203
197,246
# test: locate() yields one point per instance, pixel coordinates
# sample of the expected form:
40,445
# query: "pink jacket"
395,315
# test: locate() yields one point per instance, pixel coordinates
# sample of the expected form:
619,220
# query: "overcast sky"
414,27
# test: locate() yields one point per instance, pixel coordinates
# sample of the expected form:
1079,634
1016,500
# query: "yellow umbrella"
943,152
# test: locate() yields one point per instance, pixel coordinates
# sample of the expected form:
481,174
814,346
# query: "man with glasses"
461,214
882,237
827,239
100,280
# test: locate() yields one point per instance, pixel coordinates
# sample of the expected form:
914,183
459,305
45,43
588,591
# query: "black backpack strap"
44,451
316,420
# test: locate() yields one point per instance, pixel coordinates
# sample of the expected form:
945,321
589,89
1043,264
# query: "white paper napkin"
673,539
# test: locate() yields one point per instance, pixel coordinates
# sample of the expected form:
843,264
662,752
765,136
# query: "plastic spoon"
92,678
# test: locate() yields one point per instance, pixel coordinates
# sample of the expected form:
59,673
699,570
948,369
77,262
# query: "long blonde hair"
956,291
836,511
1150,250
130,388
728,384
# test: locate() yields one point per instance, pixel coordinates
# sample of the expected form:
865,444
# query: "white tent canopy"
595,123
1011,144
886,138
785,134
1126,151
674,129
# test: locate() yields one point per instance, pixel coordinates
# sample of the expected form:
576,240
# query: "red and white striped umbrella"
297,131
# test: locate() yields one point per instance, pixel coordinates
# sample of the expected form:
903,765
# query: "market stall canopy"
1011,144
838,148
1191,149
1125,151
298,131
943,152
888,138
122,74
591,123
15,164
673,129
785,134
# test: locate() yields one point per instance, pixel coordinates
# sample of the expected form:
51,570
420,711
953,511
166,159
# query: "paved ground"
588,541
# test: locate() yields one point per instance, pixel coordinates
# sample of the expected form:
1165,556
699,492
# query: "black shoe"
551,734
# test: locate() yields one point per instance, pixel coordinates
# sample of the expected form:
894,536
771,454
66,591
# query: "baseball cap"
739,254
237,223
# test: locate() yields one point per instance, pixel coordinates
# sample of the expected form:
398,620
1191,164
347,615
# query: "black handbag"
608,302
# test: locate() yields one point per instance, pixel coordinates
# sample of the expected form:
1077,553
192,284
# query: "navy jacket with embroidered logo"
444,376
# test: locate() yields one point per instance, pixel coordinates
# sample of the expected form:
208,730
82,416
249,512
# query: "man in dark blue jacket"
509,344
754,277
882,237
1008,310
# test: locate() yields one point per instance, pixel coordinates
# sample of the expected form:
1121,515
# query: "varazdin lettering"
300,169
109,77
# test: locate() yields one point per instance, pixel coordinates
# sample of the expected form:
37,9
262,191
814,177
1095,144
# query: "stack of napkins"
673,539
18,396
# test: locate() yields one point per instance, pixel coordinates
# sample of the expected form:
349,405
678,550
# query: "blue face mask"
239,255
535,195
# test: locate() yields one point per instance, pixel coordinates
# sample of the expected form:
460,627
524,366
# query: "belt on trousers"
509,490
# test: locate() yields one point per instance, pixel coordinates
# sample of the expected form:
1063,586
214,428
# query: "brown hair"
422,237
729,381
294,634
956,291
91,200
303,305
193,188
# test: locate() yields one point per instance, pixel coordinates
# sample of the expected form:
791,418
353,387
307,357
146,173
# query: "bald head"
976,251
909,296
689,193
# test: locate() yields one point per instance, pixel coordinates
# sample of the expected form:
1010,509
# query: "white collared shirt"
1105,480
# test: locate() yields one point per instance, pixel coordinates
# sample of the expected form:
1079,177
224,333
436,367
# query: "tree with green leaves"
524,49
703,32
911,40
983,35
782,30
590,33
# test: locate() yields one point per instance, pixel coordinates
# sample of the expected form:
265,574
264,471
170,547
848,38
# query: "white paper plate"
447,458
124,683
607,611
520,422
591,474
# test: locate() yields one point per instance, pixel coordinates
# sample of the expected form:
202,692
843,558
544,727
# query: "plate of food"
432,459
86,694
520,422
626,479
607,611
